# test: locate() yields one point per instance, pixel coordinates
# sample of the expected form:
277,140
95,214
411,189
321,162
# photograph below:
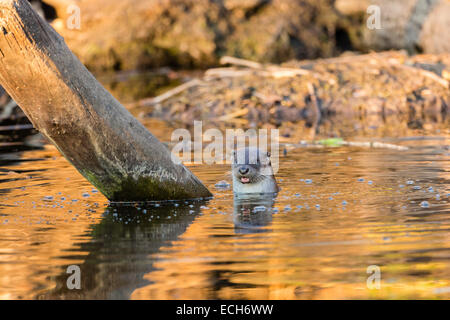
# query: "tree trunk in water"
89,127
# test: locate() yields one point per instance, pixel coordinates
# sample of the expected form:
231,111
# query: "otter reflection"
120,251
252,213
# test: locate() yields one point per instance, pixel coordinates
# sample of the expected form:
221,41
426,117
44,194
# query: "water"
316,240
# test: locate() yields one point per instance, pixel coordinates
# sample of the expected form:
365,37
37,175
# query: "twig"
379,145
362,144
427,74
168,94
274,72
238,113
241,62
362,57
227,73
16,127
281,72
264,70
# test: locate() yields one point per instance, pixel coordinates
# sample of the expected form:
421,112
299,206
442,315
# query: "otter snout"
245,173
243,170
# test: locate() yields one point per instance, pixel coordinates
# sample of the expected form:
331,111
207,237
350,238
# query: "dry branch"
90,128
168,94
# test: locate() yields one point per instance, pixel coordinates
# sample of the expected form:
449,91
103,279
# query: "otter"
253,215
252,172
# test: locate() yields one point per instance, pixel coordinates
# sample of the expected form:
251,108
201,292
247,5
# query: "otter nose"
243,170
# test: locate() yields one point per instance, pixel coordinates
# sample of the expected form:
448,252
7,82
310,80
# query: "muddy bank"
386,91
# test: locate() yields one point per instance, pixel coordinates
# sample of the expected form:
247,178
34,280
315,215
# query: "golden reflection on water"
315,241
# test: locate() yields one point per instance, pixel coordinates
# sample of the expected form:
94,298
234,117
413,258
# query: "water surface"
340,211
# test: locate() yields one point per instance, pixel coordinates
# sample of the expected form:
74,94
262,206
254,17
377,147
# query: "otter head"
250,165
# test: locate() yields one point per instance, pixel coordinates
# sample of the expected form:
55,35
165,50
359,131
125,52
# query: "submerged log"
64,101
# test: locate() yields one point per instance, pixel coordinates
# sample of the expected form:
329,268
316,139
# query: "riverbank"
331,97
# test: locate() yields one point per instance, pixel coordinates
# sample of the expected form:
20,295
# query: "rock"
280,30
414,25
350,7
434,38
128,34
